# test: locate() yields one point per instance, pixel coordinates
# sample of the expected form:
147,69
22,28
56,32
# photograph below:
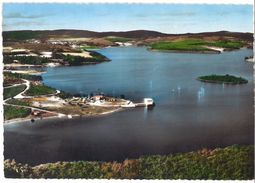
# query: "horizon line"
71,29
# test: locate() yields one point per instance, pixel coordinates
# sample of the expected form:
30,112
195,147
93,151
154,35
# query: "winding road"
21,96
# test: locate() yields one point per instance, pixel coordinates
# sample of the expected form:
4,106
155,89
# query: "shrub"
230,163
23,76
40,90
13,91
11,112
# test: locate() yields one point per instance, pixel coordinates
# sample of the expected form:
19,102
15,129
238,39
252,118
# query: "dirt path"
35,108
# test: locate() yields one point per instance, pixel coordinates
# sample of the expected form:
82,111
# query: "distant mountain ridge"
142,34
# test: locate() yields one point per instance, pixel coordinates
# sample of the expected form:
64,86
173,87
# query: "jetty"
146,103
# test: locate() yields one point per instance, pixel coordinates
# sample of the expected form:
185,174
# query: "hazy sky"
167,18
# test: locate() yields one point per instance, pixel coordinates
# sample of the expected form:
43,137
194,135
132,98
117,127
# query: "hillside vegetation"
13,91
78,60
230,163
18,102
140,34
118,39
36,90
21,35
22,76
11,112
194,45
33,60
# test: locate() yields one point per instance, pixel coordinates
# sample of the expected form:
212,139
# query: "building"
97,97
20,51
148,101
7,50
46,54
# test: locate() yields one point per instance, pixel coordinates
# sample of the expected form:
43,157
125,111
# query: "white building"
46,54
20,51
148,101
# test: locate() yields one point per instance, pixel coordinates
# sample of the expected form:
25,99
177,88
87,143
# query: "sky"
166,18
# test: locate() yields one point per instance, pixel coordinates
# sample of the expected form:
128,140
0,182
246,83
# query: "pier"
146,102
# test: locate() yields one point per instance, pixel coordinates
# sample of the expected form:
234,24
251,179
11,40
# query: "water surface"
188,114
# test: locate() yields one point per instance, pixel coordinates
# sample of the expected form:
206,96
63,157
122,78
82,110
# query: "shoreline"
22,120
196,52
185,51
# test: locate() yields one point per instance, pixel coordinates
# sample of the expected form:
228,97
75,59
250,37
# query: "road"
20,96
14,85
35,108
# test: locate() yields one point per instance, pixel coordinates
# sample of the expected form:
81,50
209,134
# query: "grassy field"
11,92
33,60
11,112
35,90
118,39
230,163
88,47
223,79
194,45
8,81
18,102
226,44
78,60
89,110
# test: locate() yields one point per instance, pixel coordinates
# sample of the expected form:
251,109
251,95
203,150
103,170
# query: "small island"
226,79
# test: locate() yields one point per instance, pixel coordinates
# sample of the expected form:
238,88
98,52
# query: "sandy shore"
215,48
31,72
84,54
21,65
27,119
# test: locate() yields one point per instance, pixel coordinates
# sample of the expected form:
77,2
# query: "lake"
188,115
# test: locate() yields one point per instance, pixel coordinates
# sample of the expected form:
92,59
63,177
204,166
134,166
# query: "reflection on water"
188,114
201,93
